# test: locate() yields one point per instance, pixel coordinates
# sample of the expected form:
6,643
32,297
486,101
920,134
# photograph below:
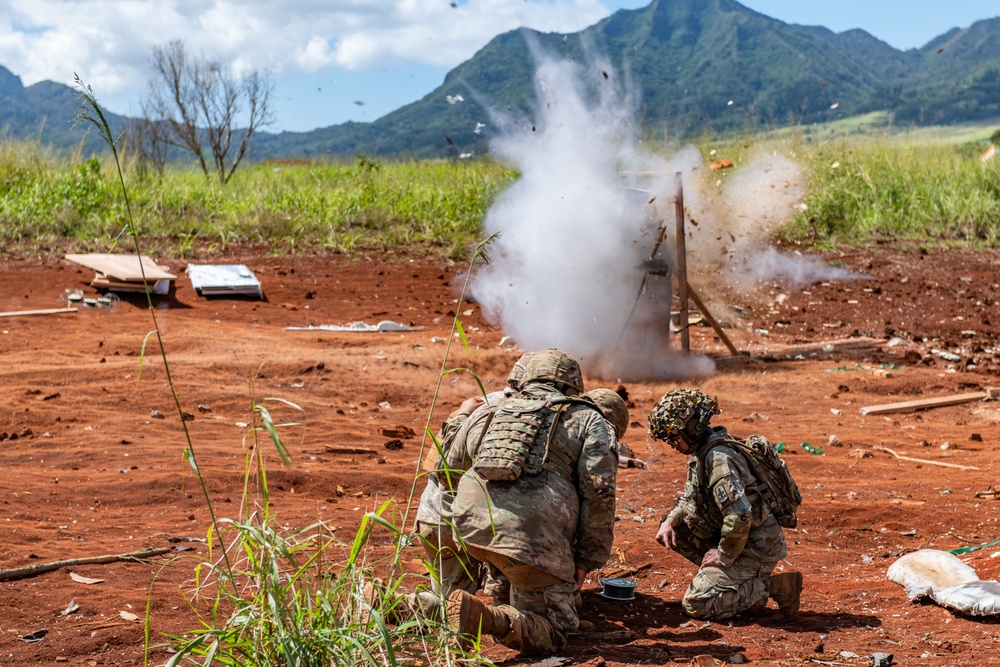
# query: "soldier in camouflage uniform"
615,411
455,569
551,523
717,524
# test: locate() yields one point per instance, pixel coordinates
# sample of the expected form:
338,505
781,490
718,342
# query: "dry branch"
342,449
933,463
41,568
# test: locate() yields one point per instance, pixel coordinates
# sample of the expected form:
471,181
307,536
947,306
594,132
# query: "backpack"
512,443
775,484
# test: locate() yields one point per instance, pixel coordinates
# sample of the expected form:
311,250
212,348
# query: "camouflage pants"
454,569
542,609
718,593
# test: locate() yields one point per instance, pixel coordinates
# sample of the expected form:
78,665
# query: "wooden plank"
923,403
682,284
829,347
48,311
711,320
125,268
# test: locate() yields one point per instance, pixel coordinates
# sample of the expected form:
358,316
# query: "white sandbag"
948,581
977,598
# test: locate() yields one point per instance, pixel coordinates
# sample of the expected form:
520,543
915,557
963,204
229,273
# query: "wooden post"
711,320
682,286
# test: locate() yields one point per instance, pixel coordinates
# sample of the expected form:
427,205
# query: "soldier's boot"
786,590
471,616
394,608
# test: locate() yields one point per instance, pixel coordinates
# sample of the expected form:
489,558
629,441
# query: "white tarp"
948,581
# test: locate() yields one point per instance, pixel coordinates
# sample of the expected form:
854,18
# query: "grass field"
866,180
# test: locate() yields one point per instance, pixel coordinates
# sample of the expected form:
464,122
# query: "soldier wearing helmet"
537,500
720,522
615,412
455,569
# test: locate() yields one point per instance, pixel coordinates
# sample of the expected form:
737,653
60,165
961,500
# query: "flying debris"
565,39
479,128
360,103
454,99
835,105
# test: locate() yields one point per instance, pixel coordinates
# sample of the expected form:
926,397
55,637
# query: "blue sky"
339,60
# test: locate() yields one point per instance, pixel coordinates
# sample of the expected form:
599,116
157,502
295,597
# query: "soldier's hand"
581,574
470,404
666,535
711,559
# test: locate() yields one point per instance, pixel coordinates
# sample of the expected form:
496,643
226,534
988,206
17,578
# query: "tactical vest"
515,442
774,483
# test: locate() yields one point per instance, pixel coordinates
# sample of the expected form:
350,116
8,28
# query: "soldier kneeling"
725,521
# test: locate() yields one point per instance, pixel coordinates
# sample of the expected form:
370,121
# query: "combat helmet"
516,376
612,407
677,408
553,365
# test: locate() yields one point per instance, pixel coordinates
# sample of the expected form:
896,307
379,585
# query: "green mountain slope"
44,112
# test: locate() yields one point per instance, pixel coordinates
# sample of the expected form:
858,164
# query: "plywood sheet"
125,268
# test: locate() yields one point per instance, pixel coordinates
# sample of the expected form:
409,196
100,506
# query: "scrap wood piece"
840,345
625,571
933,463
712,321
991,493
41,568
347,449
125,268
160,287
46,311
924,403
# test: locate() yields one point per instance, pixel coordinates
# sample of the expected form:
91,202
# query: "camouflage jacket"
715,504
429,509
548,521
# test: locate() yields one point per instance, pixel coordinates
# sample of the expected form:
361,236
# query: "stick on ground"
933,463
41,568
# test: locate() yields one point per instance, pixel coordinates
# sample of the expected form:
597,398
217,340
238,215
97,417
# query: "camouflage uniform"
716,512
455,568
539,528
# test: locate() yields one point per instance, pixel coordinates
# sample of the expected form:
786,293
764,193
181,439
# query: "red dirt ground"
89,471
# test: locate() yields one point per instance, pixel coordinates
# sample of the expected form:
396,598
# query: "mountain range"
698,66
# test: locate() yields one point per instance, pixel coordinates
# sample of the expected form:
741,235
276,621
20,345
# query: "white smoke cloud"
587,212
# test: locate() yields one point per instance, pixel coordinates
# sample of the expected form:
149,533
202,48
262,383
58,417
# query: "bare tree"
200,103
145,143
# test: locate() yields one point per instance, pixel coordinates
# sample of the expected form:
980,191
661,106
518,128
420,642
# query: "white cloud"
108,41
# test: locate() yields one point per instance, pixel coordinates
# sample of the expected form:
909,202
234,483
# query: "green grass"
48,203
885,189
925,185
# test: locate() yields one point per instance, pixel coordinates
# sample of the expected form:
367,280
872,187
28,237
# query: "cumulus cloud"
108,41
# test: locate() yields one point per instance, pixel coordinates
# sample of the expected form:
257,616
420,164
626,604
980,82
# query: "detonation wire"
961,550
